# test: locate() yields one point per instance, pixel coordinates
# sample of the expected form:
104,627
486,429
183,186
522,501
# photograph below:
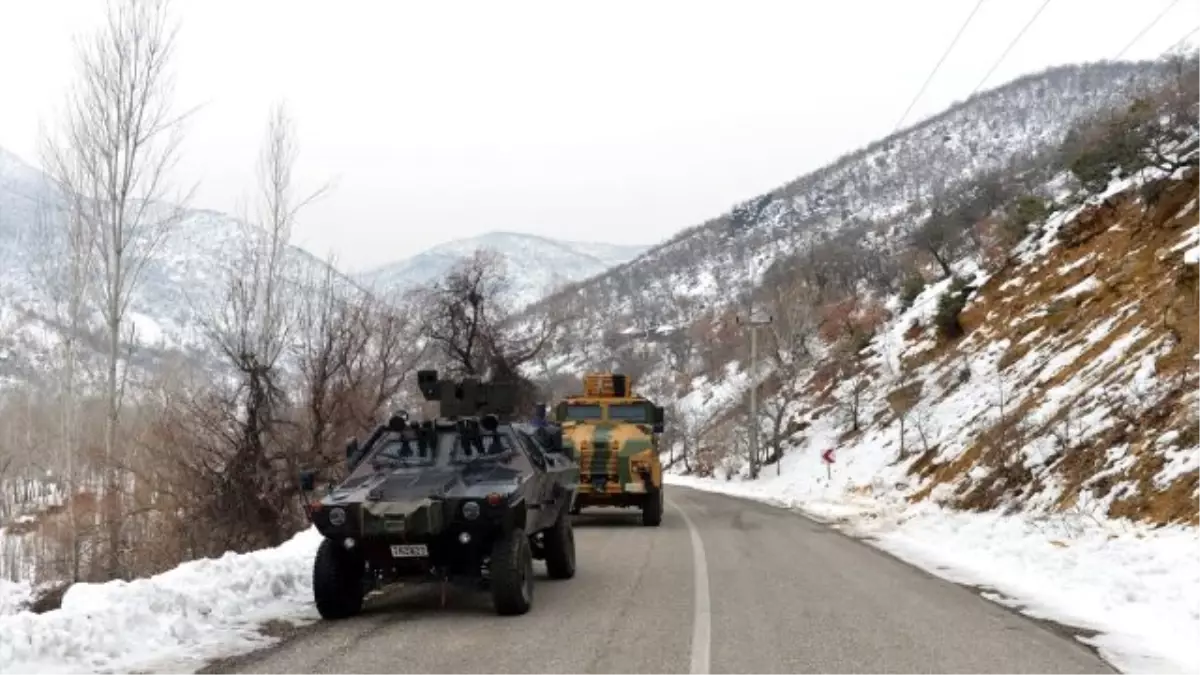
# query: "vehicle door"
549,489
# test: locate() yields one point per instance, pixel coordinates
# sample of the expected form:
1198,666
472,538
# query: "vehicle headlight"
470,510
337,516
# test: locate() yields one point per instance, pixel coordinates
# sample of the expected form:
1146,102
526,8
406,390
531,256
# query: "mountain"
869,197
183,283
536,266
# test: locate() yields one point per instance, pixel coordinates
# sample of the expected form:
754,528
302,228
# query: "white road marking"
702,618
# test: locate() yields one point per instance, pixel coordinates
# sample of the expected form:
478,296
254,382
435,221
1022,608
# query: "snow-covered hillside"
535,266
184,283
878,190
1027,451
1049,451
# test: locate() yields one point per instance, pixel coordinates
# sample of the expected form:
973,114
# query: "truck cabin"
609,398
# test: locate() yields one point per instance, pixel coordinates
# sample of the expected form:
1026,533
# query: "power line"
1007,49
1183,39
936,67
1147,28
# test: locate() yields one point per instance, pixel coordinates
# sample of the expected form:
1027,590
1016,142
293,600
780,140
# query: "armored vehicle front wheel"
337,581
652,509
560,548
511,573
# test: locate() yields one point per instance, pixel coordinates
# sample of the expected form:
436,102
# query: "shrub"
1027,209
910,289
950,305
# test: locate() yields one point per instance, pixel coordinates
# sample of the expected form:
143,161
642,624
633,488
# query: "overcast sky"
610,121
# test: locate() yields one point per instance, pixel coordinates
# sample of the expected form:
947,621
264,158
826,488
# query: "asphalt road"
723,585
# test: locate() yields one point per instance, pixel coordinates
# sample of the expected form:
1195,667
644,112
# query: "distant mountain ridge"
186,279
536,265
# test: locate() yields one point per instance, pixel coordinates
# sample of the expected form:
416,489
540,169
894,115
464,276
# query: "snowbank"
1137,587
14,596
174,621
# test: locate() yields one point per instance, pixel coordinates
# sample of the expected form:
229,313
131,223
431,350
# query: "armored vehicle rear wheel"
652,509
560,548
511,573
337,581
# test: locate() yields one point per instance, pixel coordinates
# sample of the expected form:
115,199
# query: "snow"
555,262
1086,286
14,595
1192,256
1138,588
173,621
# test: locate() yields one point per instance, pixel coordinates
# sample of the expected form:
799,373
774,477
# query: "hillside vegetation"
1022,340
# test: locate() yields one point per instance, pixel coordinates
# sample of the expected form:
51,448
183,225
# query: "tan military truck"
614,435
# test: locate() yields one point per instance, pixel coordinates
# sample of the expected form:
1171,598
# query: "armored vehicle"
615,435
470,497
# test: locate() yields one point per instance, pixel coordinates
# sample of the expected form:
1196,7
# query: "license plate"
410,551
599,483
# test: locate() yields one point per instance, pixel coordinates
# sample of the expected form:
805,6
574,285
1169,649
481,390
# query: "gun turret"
467,397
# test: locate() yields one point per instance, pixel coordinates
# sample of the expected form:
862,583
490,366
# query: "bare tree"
467,321
355,356
119,140
252,330
63,262
938,237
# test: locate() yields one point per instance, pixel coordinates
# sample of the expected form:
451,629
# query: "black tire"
511,573
652,509
560,548
337,581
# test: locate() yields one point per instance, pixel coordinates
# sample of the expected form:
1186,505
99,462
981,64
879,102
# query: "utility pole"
754,323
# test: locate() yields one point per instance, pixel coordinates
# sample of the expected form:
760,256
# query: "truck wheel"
560,548
337,581
511,573
652,509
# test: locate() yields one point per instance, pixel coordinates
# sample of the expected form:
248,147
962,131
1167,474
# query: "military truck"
614,434
471,497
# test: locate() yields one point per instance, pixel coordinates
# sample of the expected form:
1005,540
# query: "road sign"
827,457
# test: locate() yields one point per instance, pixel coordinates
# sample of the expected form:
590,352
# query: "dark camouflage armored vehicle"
471,497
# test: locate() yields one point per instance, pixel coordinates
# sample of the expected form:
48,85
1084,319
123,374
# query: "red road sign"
827,456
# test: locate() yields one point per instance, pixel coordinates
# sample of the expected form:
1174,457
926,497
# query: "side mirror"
308,480
560,411
659,419
351,452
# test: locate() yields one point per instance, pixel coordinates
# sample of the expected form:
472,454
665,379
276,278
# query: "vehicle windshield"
468,448
406,448
629,412
584,412
410,449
